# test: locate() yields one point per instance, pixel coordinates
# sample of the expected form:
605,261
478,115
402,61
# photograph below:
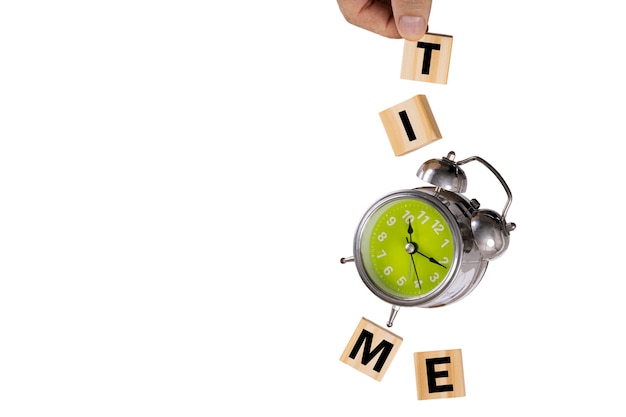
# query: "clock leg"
392,316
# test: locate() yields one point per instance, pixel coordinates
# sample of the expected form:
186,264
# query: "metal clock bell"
429,246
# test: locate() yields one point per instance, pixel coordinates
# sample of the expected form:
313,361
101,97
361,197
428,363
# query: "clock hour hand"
411,248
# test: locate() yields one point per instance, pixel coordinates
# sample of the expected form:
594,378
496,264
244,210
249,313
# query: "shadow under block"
427,59
371,349
410,125
439,374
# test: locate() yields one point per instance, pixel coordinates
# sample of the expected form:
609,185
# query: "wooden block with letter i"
439,374
427,59
371,349
410,125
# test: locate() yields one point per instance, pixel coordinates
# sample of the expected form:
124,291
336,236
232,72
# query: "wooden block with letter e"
410,125
439,374
427,59
371,349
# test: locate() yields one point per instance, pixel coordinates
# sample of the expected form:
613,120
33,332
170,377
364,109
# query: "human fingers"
373,15
411,17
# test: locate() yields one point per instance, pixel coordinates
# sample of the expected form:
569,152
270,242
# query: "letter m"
365,340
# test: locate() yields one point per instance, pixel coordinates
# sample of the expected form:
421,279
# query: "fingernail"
411,28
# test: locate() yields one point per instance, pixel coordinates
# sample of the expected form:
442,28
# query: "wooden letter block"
371,349
427,59
439,374
410,125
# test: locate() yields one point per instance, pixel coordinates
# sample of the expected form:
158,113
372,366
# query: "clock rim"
432,298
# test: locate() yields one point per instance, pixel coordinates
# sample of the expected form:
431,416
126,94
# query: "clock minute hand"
431,259
416,248
409,248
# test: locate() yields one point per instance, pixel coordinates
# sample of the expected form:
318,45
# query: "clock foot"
392,316
346,259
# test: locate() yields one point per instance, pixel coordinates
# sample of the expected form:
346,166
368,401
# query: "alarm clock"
429,246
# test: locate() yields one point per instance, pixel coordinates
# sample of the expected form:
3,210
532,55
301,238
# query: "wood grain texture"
439,374
427,59
371,349
410,125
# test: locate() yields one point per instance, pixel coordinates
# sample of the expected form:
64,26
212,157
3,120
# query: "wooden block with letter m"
410,125
371,349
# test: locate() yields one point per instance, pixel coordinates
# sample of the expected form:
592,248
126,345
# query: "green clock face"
407,246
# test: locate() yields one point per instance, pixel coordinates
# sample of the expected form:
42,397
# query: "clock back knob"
444,173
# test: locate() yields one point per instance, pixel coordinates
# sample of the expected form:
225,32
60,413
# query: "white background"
178,181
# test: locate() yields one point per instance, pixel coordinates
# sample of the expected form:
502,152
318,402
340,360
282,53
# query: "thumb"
411,17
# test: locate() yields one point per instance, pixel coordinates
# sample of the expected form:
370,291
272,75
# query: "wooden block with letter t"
439,374
427,59
371,349
410,125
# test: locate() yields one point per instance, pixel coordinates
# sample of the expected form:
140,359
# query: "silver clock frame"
466,269
481,235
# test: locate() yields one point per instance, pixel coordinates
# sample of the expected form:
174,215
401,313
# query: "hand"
431,259
417,278
396,19
409,245
412,247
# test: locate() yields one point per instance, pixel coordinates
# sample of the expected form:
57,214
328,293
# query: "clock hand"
414,248
408,247
433,260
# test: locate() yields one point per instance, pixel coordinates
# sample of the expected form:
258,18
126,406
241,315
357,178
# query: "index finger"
375,16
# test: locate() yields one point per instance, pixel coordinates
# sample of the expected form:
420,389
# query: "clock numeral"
434,277
382,254
438,227
387,271
445,242
445,261
391,221
401,280
381,237
408,217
